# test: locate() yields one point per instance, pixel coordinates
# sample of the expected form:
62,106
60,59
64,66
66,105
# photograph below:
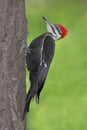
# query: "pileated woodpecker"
39,58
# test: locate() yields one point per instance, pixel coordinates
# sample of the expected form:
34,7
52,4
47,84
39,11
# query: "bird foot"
24,46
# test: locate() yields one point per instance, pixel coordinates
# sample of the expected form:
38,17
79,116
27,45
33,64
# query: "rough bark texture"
12,64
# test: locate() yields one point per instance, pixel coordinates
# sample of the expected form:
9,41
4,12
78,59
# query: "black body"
38,62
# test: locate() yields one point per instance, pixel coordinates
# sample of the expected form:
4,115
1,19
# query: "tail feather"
30,95
27,105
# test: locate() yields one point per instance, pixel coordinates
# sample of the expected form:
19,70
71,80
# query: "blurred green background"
63,101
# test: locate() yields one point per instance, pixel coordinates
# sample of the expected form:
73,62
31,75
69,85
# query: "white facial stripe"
52,29
56,34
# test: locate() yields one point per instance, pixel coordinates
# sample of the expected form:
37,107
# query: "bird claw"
24,46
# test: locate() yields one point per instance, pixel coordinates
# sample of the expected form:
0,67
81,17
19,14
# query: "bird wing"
47,52
42,74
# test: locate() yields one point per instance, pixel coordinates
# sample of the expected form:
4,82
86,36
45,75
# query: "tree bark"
12,64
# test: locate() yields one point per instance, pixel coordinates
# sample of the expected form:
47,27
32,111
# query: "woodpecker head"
57,30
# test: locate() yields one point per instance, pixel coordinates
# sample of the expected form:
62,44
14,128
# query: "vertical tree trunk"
12,64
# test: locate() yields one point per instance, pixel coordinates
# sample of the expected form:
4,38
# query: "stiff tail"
30,95
27,105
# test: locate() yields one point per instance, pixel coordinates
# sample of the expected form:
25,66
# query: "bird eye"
59,30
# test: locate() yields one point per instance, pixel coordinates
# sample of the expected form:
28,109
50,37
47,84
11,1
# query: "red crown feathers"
64,30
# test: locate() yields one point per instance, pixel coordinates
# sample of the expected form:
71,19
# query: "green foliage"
63,102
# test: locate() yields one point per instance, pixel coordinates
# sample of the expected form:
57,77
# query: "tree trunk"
12,64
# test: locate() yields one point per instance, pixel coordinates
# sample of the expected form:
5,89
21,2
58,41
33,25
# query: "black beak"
46,20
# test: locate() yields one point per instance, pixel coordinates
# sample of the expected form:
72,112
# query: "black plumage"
38,59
